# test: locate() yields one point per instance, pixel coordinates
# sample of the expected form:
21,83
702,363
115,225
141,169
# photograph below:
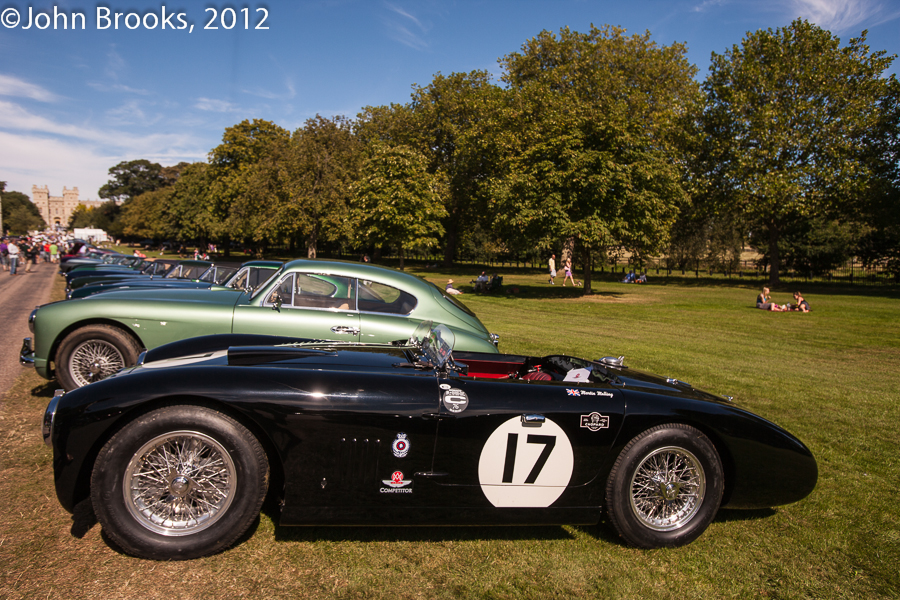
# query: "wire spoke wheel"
179,483
94,360
668,488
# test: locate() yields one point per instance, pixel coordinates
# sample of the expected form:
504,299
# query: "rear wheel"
179,482
93,353
665,487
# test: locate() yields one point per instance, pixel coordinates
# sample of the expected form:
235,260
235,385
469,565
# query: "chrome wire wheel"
94,360
667,488
179,483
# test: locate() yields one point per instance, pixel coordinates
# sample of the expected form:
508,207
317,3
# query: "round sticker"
456,400
400,447
525,466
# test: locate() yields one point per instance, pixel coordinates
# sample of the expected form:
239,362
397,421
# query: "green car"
84,340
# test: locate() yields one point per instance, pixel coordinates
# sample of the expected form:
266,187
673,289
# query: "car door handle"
533,420
345,330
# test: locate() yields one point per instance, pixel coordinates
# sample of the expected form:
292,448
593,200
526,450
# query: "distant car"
88,339
177,454
174,269
247,276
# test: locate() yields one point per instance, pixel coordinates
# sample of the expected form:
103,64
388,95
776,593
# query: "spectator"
450,289
13,251
764,301
552,264
800,304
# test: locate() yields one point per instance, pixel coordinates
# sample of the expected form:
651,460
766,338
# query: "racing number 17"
509,464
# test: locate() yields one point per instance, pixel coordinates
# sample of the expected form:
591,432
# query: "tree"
130,179
398,201
143,217
305,183
786,123
20,215
231,199
455,120
592,143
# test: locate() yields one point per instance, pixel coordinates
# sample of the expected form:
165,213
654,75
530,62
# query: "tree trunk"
450,243
588,267
774,255
311,244
401,257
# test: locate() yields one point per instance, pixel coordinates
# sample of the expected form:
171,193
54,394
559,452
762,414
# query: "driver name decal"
525,466
455,400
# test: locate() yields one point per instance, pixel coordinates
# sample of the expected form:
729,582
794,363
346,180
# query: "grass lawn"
832,377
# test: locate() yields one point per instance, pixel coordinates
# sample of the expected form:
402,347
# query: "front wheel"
665,487
93,353
179,482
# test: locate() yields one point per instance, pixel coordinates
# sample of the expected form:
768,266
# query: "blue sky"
74,102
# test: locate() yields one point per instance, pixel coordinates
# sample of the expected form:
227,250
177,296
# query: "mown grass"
831,377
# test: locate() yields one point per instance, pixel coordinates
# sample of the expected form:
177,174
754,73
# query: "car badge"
400,447
595,421
455,400
444,386
573,392
396,480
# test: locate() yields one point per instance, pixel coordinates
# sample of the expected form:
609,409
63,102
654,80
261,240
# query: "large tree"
129,179
786,123
592,135
455,119
232,199
398,201
20,215
305,183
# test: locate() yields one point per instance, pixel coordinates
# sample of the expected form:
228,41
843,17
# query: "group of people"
567,268
632,278
14,252
764,302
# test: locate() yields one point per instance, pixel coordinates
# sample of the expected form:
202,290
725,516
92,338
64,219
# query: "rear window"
380,298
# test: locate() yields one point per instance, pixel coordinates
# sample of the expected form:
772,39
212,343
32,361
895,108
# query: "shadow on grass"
419,534
45,390
727,515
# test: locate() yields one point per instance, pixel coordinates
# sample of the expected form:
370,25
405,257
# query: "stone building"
56,210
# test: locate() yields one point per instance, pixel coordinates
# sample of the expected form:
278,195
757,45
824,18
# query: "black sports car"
176,454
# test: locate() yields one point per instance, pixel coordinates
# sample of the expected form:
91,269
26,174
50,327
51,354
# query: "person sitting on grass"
800,304
764,301
450,289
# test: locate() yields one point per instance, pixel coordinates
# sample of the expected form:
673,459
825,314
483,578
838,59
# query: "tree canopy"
788,117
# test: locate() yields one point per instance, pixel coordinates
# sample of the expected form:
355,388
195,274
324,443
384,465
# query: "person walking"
4,254
13,251
31,254
552,263
54,253
568,269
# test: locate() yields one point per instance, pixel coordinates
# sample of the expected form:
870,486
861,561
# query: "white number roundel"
525,466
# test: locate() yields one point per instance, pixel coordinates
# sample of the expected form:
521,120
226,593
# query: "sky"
79,95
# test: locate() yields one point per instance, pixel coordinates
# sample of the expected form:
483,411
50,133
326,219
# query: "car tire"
665,487
179,482
93,353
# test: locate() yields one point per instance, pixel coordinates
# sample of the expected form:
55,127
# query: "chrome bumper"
49,415
26,354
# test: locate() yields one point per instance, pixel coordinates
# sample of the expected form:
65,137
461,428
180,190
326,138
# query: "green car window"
380,298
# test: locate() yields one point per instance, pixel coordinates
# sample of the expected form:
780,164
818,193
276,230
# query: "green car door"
308,305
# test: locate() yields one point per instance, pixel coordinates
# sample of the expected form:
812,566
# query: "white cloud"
13,86
842,15
35,150
400,29
213,105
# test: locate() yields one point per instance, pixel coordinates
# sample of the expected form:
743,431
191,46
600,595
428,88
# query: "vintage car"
81,341
247,276
176,454
174,269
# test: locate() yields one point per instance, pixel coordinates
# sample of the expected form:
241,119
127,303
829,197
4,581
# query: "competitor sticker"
595,421
524,466
455,400
400,447
396,484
